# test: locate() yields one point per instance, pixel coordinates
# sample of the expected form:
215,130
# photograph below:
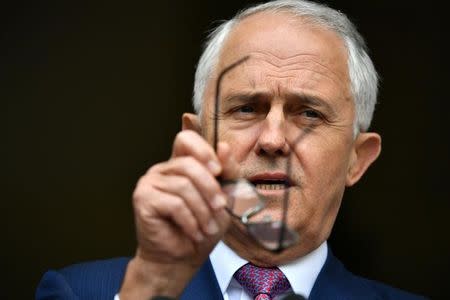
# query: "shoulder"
99,279
336,282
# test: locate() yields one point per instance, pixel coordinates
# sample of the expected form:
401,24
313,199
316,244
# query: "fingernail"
213,228
219,201
214,167
199,236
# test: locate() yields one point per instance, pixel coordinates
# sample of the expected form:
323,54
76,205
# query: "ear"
366,149
191,122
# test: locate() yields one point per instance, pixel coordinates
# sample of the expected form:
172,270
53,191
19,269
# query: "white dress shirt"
301,273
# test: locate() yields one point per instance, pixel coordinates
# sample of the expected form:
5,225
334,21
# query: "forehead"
284,35
289,46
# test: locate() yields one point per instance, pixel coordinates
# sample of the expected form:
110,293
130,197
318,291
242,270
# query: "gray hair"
363,76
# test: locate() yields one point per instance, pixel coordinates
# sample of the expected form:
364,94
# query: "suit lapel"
336,282
328,280
203,286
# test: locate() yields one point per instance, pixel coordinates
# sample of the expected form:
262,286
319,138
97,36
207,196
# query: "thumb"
230,167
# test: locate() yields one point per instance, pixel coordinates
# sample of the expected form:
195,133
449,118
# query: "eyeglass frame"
244,219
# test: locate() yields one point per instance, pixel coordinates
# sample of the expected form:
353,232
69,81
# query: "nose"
272,139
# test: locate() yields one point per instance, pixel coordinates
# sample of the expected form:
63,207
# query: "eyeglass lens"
245,201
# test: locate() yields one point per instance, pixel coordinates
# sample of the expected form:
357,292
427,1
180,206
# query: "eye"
310,117
245,109
312,114
242,111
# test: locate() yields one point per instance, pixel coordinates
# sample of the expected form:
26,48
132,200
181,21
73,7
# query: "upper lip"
271,176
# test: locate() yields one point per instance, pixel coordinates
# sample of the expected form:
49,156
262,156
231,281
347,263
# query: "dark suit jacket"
102,280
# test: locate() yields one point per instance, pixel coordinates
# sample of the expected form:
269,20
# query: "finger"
175,209
200,176
162,239
190,143
222,218
183,188
230,167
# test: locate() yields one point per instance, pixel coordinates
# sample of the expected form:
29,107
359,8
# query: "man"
296,92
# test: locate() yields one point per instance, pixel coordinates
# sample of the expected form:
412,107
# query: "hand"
180,216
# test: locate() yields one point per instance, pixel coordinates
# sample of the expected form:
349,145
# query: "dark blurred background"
92,95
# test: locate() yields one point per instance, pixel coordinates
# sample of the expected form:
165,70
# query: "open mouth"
271,184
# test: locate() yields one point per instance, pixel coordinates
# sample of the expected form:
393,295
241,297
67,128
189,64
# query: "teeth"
273,186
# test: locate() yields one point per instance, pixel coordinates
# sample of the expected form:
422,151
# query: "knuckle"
138,200
189,161
177,205
205,152
156,169
190,165
209,186
140,182
183,184
191,224
142,189
204,211
179,135
142,214
194,167
182,137
153,169
204,216
138,193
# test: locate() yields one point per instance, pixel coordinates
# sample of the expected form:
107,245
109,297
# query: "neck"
246,247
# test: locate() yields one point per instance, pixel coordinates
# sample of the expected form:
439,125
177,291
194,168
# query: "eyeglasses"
244,201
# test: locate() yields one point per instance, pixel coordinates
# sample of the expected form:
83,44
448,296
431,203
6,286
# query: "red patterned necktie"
262,283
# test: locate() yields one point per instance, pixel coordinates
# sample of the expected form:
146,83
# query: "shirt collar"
301,273
225,263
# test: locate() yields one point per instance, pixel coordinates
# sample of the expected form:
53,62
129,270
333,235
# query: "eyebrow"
311,100
303,98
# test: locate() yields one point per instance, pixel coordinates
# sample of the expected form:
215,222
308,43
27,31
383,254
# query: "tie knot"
262,283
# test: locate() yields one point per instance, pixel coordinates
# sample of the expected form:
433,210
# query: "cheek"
324,167
241,141
323,183
325,156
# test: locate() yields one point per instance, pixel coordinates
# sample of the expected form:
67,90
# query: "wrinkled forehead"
282,46
283,37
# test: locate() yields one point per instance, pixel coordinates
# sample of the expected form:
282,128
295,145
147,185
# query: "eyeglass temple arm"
286,194
217,97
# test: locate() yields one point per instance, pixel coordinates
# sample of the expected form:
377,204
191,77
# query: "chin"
245,246
265,258
275,214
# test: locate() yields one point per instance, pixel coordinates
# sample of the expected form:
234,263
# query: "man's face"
295,79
